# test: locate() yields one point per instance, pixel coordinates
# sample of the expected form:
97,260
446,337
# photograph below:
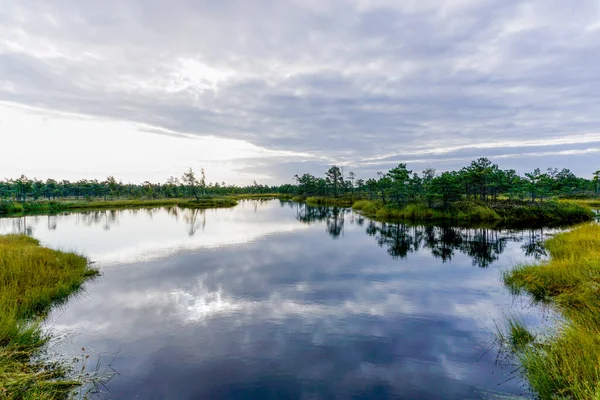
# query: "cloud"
343,81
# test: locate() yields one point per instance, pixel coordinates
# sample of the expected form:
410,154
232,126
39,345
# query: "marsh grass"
32,280
476,211
299,199
565,364
250,196
594,203
44,207
329,201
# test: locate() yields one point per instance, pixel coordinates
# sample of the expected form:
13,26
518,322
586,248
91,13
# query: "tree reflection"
195,219
395,237
534,245
334,217
482,245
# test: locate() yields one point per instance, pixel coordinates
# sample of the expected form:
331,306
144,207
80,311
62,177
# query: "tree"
189,179
148,189
596,181
202,181
536,181
383,185
112,185
371,187
351,178
37,189
306,184
334,179
360,185
50,188
23,186
478,176
446,187
399,177
427,177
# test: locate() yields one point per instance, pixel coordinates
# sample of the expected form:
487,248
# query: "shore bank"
32,280
48,207
566,362
476,211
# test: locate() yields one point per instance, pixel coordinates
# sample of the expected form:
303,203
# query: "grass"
32,280
594,203
43,207
476,211
299,199
329,201
251,196
567,363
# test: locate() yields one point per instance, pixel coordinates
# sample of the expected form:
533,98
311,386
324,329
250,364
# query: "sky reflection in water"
273,299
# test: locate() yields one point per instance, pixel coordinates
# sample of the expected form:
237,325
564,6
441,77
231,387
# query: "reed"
565,364
32,280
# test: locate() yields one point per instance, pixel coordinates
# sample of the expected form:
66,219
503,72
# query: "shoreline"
14,209
19,209
465,211
564,362
33,279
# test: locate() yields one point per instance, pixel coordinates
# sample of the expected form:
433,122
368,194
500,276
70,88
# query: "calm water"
275,300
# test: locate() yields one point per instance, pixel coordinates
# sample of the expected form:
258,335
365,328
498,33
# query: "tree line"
481,180
189,184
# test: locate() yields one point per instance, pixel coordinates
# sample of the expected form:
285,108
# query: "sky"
265,89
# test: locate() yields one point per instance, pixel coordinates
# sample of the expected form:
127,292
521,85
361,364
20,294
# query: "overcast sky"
257,89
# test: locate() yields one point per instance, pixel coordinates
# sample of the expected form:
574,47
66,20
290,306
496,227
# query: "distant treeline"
480,180
189,185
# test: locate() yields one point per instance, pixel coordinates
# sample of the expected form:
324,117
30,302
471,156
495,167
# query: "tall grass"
32,280
330,201
39,207
250,196
567,364
594,203
476,211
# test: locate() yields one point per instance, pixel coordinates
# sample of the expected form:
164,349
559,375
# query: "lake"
275,299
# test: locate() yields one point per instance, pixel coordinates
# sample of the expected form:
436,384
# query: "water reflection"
482,245
259,302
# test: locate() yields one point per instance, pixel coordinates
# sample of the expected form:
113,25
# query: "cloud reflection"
296,314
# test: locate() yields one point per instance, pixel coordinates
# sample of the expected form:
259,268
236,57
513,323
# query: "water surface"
273,299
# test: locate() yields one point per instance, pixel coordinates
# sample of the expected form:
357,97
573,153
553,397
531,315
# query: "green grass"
594,203
567,363
299,199
329,201
251,196
32,280
43,207
467,211
476,211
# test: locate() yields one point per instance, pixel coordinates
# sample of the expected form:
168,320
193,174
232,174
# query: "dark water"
275,300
